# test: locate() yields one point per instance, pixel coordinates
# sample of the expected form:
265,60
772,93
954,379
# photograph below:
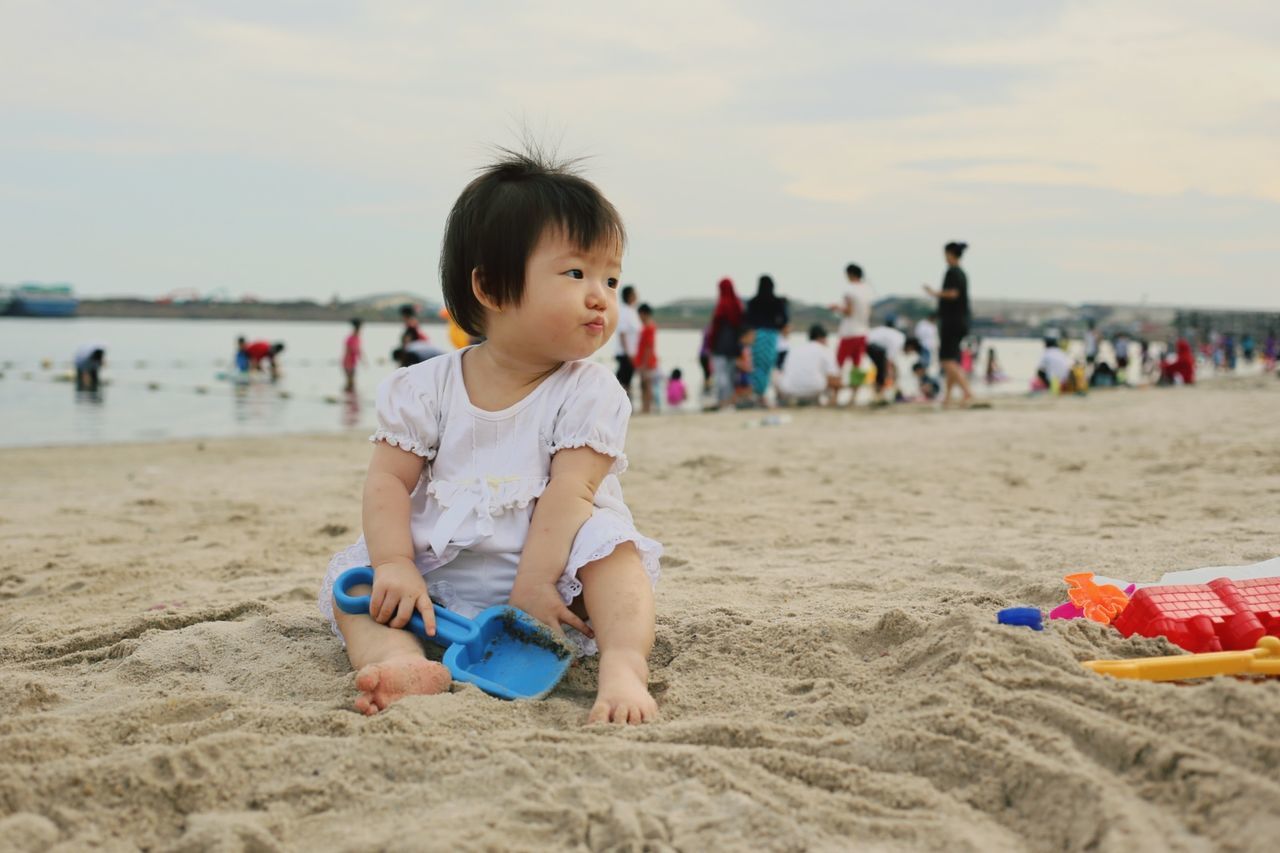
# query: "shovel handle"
450,627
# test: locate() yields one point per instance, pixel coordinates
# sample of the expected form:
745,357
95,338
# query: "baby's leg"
619,600
389,662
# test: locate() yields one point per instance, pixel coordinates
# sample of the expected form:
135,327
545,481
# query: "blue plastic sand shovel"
503,651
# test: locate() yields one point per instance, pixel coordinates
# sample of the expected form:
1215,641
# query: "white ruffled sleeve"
595,414
408,416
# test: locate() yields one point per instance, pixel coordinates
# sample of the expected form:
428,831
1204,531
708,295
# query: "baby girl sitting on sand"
494,475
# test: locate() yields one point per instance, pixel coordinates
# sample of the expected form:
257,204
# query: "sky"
1120,151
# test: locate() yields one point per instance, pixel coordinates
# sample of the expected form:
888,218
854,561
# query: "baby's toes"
368,679
600,712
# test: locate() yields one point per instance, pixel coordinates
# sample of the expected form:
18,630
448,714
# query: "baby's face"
570,304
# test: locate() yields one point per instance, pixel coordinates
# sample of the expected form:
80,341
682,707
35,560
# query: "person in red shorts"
646,360
854,309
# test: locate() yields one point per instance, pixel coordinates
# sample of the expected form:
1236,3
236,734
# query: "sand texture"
828,664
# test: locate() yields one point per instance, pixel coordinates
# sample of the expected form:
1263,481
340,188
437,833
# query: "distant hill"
385,307
991,317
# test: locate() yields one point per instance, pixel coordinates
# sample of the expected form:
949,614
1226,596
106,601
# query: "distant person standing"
352,354
646,363
724,336
953,321
854,309
768,314
627,337
89,359
1120,346
1090,343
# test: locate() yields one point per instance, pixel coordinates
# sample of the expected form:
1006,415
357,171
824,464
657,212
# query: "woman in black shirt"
768,314
953,321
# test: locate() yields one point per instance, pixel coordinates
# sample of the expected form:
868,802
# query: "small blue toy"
1028,617
503,651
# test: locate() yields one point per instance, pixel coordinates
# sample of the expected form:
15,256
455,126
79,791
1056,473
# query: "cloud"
1137,97
324,141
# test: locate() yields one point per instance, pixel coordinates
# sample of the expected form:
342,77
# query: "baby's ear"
478,291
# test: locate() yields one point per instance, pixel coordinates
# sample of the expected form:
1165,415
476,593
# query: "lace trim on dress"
347,558
619,458
570,587
403,442
503,493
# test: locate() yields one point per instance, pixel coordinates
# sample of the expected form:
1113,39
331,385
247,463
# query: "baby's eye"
574,273
613,284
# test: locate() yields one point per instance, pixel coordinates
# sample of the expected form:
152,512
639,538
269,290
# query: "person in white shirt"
627,337
885,345
854,309
1055,365
810,370
926,332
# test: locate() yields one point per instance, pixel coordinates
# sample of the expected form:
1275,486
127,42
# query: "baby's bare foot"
623,693
381,684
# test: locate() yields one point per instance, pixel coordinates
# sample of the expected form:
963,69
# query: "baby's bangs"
588,220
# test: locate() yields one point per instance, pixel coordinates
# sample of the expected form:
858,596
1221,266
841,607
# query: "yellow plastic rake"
1261,660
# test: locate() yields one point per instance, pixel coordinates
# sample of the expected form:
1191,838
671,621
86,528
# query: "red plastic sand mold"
1222,615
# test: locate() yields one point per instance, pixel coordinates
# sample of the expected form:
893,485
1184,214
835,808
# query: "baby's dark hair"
956,249
498,220
676,374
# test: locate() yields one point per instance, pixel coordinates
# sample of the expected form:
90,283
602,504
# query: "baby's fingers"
404,610
428,614
387,608
568,617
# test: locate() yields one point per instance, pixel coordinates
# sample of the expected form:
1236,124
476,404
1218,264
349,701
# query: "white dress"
470,510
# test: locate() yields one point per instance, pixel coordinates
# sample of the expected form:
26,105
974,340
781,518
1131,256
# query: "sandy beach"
828,665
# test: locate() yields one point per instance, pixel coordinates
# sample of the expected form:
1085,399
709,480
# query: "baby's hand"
398,590
542,601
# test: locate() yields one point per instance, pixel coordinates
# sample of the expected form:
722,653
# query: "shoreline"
1006,401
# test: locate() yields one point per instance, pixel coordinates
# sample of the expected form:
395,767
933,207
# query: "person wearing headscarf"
725,336
1181,368
767,313
953,321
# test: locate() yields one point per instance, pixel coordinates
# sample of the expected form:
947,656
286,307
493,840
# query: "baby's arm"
564,507
398,588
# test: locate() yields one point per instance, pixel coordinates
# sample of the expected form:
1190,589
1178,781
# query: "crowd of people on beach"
747,361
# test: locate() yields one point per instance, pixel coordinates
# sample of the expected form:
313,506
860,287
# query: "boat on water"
39,300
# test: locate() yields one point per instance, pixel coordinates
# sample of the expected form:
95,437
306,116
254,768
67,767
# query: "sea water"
170,379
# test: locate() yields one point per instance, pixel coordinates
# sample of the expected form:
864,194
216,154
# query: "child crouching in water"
494,476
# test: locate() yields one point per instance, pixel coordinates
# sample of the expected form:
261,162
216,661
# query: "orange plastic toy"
1099,603
1263,660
